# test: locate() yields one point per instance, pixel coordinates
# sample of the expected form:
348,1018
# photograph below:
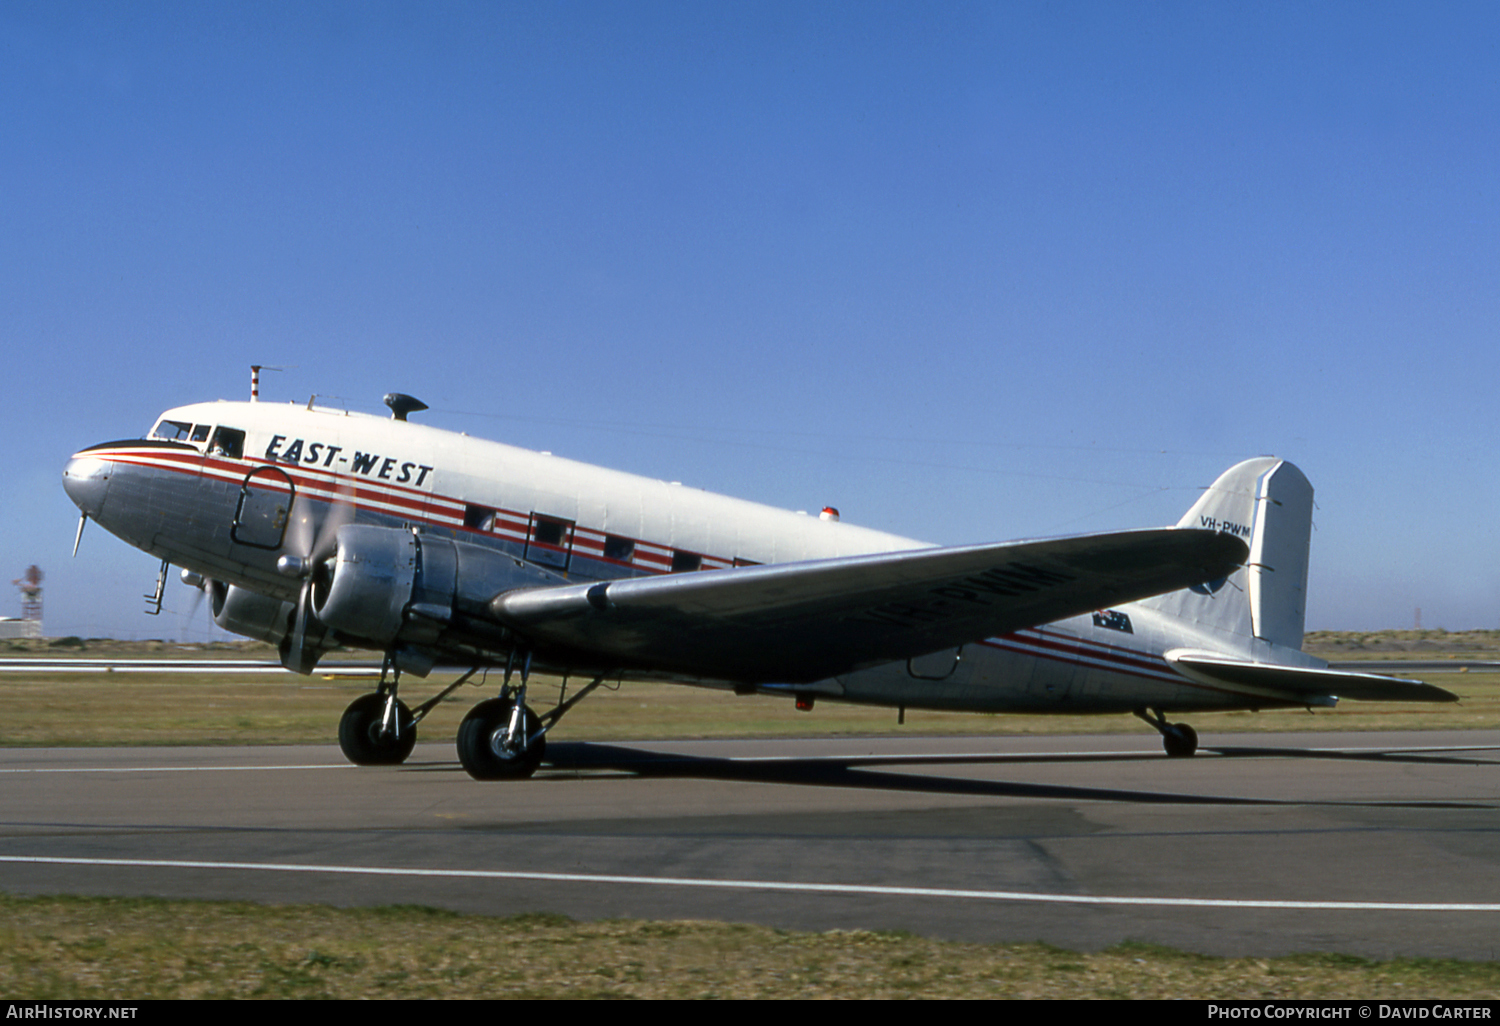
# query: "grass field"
92,948
186,709
80,948
209,709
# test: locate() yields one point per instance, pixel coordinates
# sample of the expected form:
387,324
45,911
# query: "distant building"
10,628
30,623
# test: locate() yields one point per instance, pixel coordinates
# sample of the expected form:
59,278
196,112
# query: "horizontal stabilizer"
801,622
1299,683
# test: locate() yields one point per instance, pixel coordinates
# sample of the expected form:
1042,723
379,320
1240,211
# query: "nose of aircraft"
86,479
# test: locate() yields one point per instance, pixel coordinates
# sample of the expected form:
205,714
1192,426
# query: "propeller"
197,602
200,586
309,544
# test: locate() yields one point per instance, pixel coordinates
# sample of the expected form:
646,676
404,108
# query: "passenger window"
547,531
684,562
619,549
479,518
550,542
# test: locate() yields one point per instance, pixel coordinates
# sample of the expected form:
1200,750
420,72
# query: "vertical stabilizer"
1267,502
1278,556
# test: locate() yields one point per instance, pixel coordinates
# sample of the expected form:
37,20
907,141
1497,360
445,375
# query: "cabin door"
264,508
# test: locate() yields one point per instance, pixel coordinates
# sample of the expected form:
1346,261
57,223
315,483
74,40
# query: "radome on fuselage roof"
313,528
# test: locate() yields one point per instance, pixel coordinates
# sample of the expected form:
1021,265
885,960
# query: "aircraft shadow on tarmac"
864,771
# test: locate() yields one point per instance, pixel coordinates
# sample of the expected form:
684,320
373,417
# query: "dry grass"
94,948
215,709
1413,644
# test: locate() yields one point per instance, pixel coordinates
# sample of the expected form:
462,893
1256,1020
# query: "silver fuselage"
220,499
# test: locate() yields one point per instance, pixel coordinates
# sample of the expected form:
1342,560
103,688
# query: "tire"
360,736
1180,740
480,747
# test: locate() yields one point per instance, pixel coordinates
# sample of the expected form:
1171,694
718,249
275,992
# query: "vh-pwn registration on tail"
314,528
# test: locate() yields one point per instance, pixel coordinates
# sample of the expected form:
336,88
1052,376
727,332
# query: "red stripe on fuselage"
1128,661
374,497
1078,651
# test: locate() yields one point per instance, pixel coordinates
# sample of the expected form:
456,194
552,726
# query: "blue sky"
967,271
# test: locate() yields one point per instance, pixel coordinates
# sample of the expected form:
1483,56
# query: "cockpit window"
228,442
200,432
172,431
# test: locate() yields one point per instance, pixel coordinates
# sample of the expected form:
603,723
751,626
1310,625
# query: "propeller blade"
83,518
301,531
340,512
309,542
192,613
196,604
295,658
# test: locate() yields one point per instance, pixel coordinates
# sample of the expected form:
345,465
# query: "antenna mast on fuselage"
255,369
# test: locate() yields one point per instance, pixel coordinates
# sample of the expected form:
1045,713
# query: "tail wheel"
363,739
482,744
1180,740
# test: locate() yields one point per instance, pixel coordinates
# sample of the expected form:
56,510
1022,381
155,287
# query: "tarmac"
1370,844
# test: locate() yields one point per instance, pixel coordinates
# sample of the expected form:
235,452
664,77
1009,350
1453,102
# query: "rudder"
1268,502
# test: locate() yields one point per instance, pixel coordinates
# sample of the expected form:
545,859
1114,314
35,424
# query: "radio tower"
30,584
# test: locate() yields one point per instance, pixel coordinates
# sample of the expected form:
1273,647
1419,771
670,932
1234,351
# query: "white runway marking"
764,885
205,666
176,769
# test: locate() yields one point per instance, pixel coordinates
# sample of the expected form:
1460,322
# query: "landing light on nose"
86,479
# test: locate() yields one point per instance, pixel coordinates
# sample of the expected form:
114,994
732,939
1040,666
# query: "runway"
132,664
1370,844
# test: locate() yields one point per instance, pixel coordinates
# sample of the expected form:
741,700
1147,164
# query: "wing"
800,622
1300,683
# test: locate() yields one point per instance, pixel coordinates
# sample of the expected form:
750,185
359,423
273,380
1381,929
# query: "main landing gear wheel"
363,739
1180,740
482,746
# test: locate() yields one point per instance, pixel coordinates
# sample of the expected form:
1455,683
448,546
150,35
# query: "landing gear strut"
1179,739
502,738
378,729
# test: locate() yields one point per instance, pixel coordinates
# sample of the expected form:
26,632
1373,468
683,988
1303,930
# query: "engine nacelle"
242,611
369,582
393,587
